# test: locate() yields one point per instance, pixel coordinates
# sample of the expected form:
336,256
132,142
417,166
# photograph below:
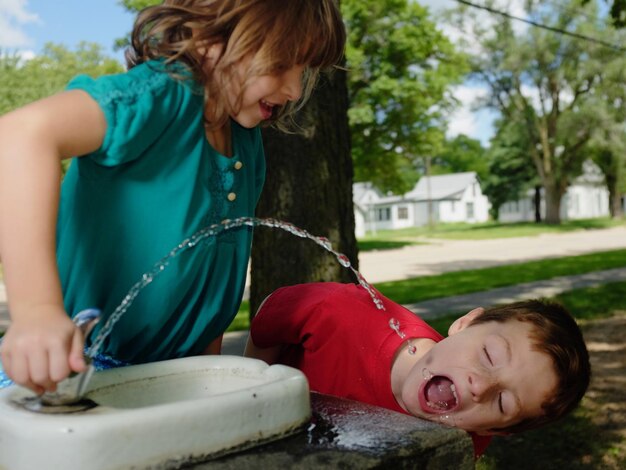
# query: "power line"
544,26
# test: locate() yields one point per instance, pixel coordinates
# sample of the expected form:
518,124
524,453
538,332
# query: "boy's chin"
490,432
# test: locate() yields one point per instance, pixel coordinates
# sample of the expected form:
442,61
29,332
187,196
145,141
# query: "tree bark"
553,204
537,203
615,197
309,184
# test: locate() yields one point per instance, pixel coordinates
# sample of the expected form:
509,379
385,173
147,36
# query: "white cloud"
13,15
462,120
466,120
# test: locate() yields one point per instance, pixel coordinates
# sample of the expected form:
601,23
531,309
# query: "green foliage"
24,81
510,172
618,11
137,5
460,154
400,69
550,84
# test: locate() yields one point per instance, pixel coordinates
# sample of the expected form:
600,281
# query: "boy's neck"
403,362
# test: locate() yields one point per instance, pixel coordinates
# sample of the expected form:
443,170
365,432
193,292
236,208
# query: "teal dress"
154,182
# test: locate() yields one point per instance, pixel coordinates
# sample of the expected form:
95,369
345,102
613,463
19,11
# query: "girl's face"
265,94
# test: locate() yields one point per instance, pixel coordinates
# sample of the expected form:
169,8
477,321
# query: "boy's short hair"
555,333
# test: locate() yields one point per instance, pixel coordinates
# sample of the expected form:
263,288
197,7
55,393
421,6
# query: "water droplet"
344,261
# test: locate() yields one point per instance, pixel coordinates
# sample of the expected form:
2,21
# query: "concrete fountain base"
158,415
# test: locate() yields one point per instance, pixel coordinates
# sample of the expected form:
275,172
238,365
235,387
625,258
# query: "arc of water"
213,231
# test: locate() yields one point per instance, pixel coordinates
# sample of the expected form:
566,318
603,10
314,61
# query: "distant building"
586,198
455,197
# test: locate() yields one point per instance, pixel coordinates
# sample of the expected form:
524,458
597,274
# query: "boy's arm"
33,139
269,355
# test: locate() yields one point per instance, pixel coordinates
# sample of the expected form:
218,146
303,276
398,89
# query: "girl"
164,149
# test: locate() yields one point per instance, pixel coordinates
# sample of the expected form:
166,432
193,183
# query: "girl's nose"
292,83
481,386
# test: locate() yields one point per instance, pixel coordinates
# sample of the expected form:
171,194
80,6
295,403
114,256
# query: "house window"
453,206
403,213
470,210
383,214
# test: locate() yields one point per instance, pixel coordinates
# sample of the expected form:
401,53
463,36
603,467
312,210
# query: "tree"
547,81
309,183
400,71
618,11
25,81
459,154
509,175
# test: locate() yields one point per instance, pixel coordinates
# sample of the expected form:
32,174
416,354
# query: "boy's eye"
500,403
487,355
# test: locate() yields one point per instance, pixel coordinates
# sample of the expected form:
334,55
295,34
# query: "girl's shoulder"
149,78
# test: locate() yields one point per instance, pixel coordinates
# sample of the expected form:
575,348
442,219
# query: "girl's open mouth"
267,109
438,395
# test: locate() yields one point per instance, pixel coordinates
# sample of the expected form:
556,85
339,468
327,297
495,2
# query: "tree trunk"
553,204
309,183
537,202
615,199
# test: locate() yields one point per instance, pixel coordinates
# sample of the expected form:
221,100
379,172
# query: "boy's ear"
463,322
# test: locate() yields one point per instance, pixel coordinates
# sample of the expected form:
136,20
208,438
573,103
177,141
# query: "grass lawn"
464,282
387,239
591,303
476,280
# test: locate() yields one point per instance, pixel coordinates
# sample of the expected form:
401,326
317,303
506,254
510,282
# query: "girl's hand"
41,348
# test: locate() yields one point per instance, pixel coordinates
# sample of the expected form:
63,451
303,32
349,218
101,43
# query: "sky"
26,25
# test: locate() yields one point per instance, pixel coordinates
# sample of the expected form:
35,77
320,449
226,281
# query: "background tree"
509,174
547,81
24,81
618,11
400,71
460,154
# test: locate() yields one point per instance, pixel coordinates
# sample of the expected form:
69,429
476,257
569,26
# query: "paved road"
441,256
454,255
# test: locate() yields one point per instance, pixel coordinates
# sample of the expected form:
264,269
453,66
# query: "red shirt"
342,342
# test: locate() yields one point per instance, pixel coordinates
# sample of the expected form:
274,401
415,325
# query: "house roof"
360,191
439,187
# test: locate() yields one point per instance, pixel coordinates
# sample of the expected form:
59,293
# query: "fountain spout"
72,389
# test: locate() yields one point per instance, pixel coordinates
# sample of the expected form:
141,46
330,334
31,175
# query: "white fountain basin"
158,415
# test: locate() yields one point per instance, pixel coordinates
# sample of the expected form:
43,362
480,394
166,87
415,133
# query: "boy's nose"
481,386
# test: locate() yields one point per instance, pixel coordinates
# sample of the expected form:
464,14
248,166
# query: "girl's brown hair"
277,33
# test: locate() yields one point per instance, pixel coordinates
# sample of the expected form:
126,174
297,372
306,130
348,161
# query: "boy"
499,371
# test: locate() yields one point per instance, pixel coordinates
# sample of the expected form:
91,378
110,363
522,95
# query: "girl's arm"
42,345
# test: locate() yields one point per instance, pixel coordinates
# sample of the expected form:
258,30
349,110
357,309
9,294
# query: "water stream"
214,231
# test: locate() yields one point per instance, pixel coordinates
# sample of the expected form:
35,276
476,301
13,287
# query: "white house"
586,198
455,197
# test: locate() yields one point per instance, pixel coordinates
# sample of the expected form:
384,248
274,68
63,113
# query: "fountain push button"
231,197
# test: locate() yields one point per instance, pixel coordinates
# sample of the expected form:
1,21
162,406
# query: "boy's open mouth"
440,394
